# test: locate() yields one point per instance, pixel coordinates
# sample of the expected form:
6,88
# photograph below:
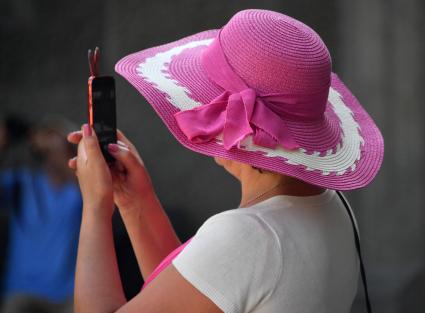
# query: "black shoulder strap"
357,240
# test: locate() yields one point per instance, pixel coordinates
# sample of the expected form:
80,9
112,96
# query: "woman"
259,96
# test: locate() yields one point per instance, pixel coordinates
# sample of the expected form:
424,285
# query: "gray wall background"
378,49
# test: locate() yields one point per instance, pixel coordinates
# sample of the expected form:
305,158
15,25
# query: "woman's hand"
132,183
93,175
132,186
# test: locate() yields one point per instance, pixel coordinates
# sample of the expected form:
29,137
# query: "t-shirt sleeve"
234,259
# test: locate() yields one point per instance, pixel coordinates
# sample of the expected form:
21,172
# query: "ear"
219,161
233,167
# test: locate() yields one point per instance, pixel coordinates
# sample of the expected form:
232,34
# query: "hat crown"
274,53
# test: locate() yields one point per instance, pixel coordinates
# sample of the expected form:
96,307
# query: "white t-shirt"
285,254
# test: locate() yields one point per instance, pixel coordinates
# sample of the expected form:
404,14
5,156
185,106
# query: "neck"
259,187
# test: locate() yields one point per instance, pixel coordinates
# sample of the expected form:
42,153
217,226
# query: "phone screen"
102,112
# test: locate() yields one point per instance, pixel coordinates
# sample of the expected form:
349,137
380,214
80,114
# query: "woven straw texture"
272,53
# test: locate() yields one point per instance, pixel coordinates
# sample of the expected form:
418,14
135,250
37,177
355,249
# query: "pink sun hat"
260,90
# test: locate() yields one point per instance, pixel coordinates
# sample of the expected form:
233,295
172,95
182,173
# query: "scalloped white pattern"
338,160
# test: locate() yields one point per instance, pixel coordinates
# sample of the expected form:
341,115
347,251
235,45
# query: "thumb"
124,155
90,142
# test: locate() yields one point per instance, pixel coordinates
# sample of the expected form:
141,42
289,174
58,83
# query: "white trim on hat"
338,160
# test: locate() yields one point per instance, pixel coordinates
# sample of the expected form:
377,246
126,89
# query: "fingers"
128,151
72,163
117,166
125,156
88,145
91,144
121,137
122,144
119,174
75,137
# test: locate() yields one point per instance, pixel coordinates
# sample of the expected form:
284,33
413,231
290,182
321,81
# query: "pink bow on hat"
240,111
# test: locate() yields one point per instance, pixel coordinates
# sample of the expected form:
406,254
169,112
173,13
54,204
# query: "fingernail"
113,148
122,144
86,130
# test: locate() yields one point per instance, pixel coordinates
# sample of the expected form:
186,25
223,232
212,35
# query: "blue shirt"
43,235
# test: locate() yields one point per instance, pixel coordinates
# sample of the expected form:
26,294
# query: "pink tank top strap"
164,263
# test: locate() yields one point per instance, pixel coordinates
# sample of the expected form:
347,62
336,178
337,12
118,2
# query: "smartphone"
102,112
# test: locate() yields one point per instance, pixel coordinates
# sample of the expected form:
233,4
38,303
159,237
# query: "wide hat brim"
344,151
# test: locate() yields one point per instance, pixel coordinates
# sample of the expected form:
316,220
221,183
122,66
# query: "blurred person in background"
14,134
45,213
14,151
